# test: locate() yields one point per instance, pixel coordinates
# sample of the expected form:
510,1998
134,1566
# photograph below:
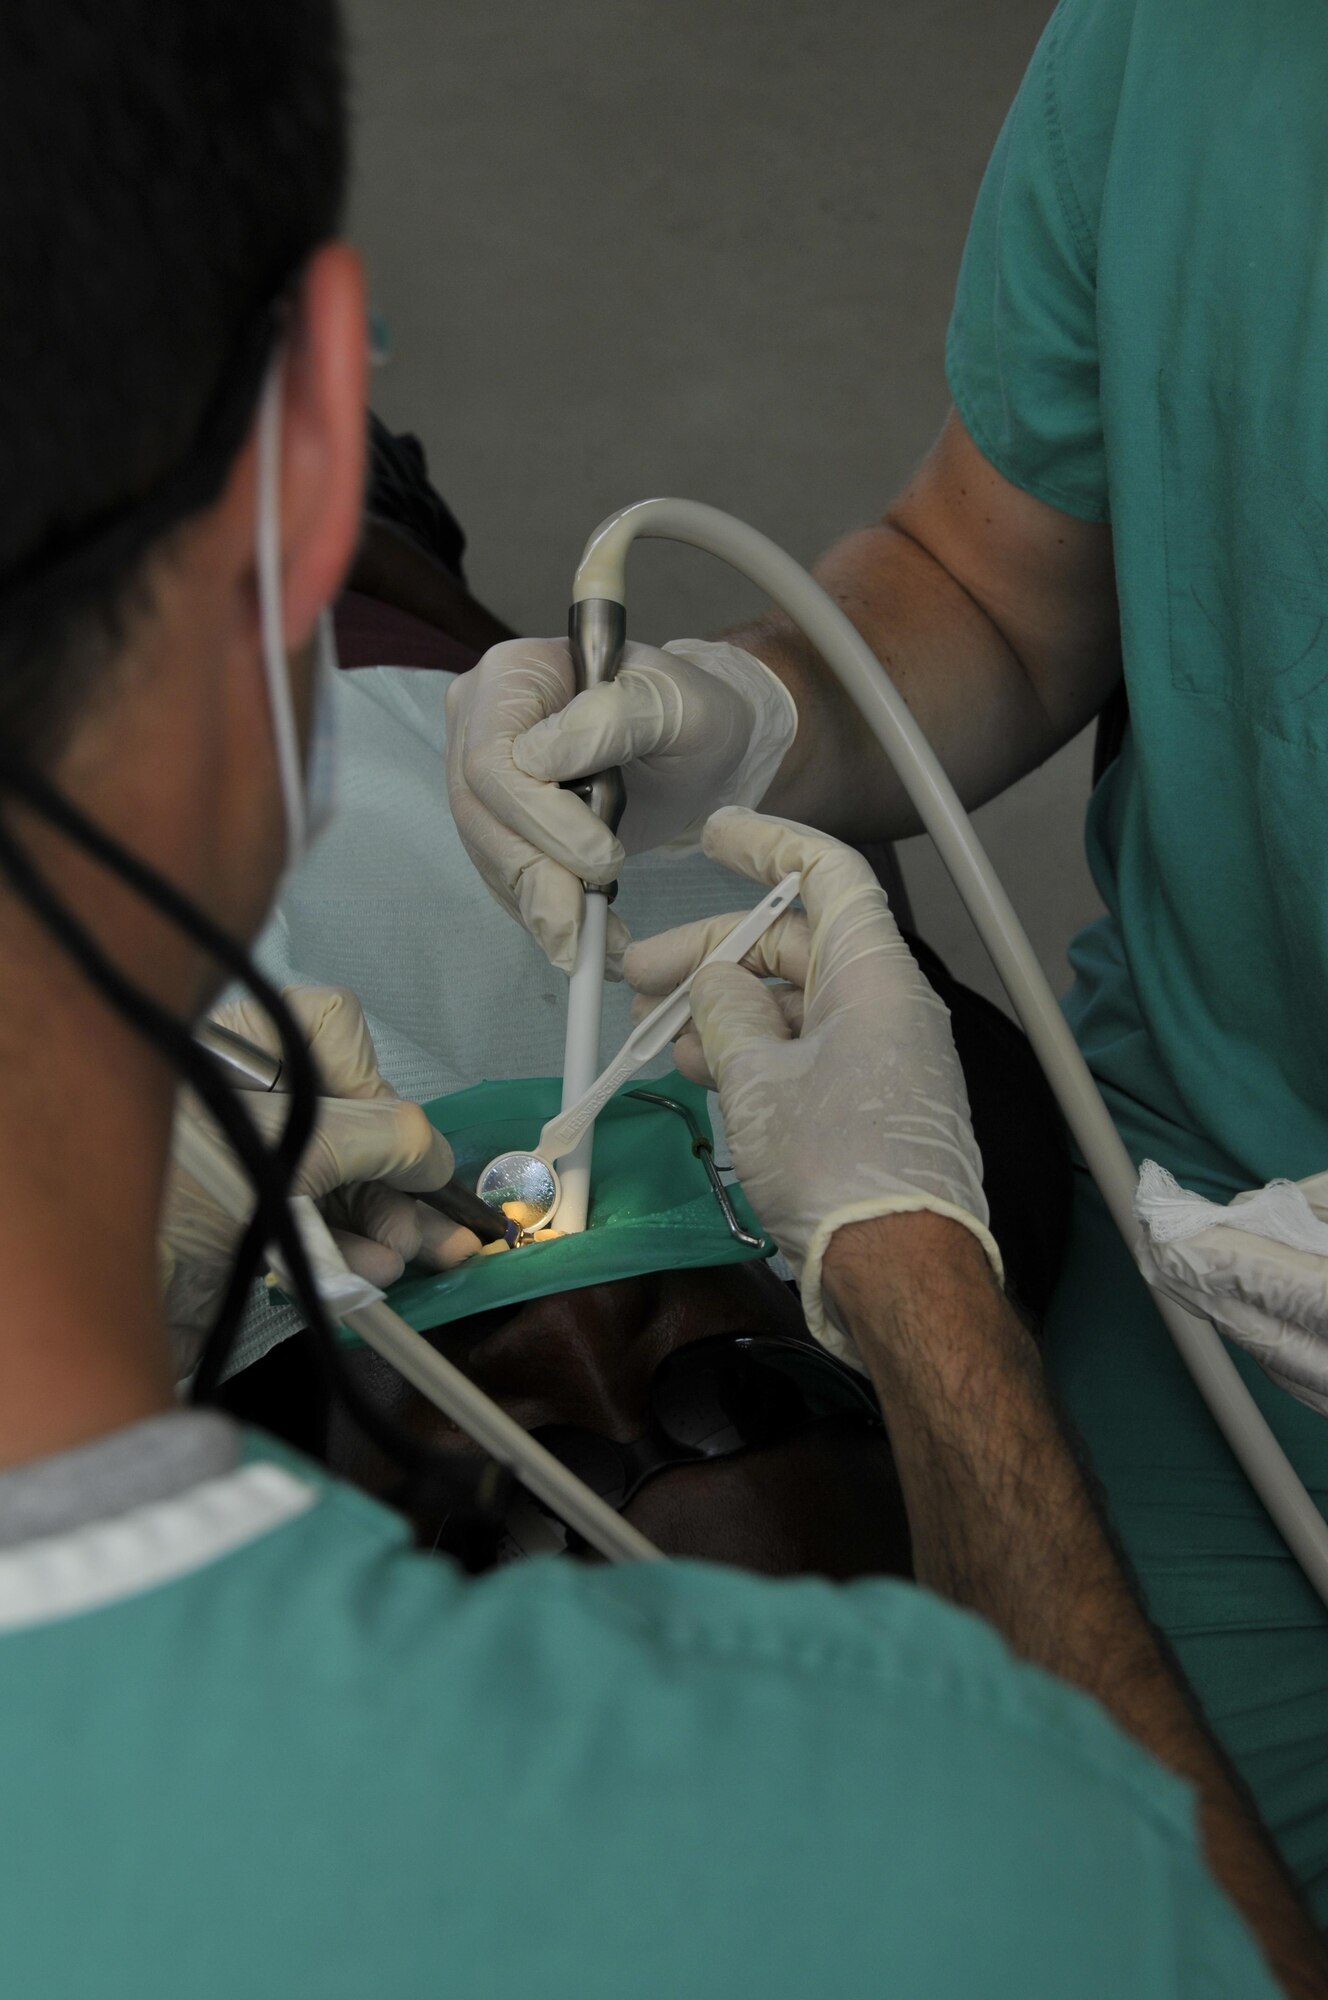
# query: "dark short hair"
166,166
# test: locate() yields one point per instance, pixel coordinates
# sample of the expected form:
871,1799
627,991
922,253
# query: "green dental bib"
652,1207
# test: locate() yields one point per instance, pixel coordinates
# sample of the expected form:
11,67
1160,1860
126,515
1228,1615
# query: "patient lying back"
823,1501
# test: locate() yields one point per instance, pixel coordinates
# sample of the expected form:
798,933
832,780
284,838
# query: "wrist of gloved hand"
818,1312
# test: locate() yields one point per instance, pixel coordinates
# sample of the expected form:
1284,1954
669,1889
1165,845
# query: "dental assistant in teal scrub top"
1133,481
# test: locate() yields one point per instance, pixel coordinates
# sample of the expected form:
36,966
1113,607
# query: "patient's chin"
824,1503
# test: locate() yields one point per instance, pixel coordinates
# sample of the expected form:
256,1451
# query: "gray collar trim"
157,1459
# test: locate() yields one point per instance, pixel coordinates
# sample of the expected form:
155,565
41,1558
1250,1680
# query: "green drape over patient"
652,1207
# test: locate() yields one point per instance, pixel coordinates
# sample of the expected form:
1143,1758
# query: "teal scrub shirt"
251,1744
1140,336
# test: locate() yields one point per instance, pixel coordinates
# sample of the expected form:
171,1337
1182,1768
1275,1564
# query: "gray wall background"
705,246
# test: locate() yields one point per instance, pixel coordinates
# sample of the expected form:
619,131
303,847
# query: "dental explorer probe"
601,576
597,631
357,1304
248,1067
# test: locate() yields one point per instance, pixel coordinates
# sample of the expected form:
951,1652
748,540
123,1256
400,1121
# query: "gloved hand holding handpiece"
372,1152
699,724
840,1088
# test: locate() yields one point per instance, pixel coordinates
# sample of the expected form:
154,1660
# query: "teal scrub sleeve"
1022,349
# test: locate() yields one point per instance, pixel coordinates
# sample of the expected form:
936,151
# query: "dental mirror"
521,1186
524,1186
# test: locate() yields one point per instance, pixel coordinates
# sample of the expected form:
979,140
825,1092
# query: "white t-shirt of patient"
390,904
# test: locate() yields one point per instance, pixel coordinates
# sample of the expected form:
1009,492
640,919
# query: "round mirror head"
521,1186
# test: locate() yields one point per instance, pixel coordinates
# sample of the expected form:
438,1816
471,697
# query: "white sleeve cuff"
833,1336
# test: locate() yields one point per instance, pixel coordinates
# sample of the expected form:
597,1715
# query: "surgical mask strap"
276,666
465,1481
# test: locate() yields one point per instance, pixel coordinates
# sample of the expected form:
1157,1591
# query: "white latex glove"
1257,1269
696,726
371,1152
841,1091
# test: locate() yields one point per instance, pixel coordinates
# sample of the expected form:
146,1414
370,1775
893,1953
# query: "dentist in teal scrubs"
253,1742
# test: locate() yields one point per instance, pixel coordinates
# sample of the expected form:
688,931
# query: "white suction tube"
585,1002
500,1435
602,575
360,1306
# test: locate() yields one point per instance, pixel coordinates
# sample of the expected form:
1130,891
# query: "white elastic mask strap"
285,735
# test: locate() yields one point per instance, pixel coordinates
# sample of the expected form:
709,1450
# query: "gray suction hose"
602,576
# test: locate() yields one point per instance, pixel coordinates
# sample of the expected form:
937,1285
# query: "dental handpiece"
597,632
248,1067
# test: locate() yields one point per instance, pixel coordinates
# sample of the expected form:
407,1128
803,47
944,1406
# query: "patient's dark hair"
166,166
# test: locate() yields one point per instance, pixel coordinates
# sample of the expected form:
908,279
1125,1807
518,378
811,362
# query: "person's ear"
322,449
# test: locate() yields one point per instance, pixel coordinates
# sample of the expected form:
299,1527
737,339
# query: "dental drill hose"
602,576
597,630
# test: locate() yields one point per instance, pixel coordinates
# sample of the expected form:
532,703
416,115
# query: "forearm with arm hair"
994,615
1003,1522
946,658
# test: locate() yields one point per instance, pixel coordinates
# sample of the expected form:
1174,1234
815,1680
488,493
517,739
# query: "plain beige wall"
701,246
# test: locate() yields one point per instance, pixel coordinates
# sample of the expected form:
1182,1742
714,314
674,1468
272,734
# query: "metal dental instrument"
247,1066
601,578
597,629
704,1151
250,1068
527,1182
